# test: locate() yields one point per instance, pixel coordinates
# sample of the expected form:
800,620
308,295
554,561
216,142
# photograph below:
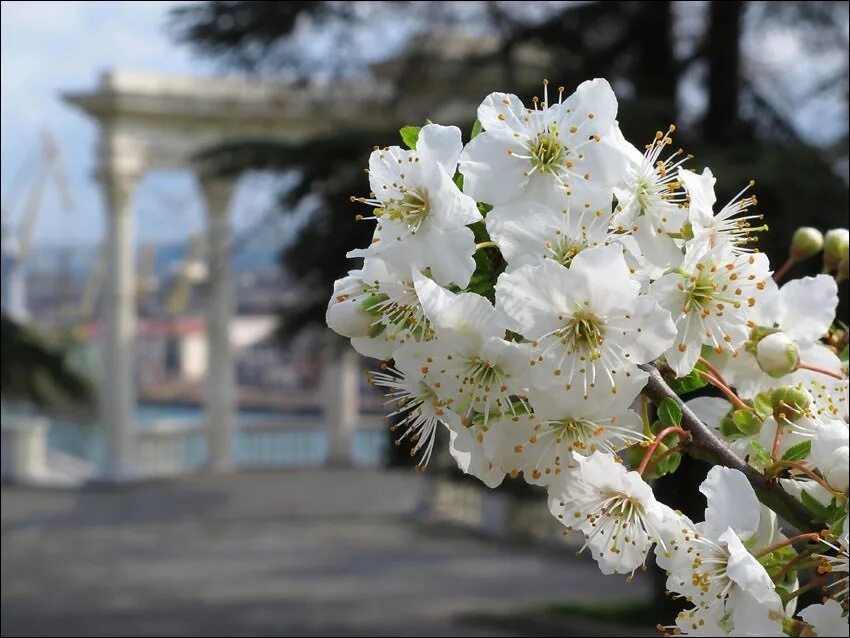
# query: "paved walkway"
287,553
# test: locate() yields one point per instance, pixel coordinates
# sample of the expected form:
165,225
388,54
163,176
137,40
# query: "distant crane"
191,272
146,284
147,281
16,247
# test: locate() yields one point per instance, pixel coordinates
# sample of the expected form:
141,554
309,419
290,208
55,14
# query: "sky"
53,47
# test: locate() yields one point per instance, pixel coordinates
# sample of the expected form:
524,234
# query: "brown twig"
791,564
811,537
704,440
683,434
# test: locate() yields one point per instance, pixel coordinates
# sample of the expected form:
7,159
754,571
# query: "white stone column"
221,391
341,397
117,390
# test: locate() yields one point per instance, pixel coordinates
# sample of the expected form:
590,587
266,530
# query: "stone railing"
174,447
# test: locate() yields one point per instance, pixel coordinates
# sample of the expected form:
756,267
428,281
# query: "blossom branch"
703,439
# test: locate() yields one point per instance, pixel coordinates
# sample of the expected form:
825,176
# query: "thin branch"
809,537
769,492
725,389
800,467
829,373
683,434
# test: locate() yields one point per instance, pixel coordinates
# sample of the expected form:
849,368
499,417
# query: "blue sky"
52,47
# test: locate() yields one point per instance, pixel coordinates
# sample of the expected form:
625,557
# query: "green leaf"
488,265
747,422
798,451
476,129
776,561
668,465
728,429
837,525
669,412
410,135
484,208
688,383
837,512
845,354
459,181
759,454
818,510
479,231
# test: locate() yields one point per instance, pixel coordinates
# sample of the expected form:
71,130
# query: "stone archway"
150,122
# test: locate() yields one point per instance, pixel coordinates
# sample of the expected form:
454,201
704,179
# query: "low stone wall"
23,448
495,513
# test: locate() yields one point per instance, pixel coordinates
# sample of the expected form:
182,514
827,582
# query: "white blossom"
830,453
729,227
422,215
603,259
570,421
476,371
529,232
710,298
413,396
614,509
551,154
749,617
587,323
709,561
802,311
650,202
378,309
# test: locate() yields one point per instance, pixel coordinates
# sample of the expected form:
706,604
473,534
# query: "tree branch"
704,440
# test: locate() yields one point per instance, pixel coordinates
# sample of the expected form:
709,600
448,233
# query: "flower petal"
441,145
807,307
732,503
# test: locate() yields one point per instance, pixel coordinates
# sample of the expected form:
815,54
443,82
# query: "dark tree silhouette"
633,44
32,371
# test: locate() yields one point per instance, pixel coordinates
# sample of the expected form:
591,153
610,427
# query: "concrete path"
324,552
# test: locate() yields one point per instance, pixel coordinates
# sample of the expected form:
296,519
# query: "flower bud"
346,317
836,245
789,403
777,354
806,242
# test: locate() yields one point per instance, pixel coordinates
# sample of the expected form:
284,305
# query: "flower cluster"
520,287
